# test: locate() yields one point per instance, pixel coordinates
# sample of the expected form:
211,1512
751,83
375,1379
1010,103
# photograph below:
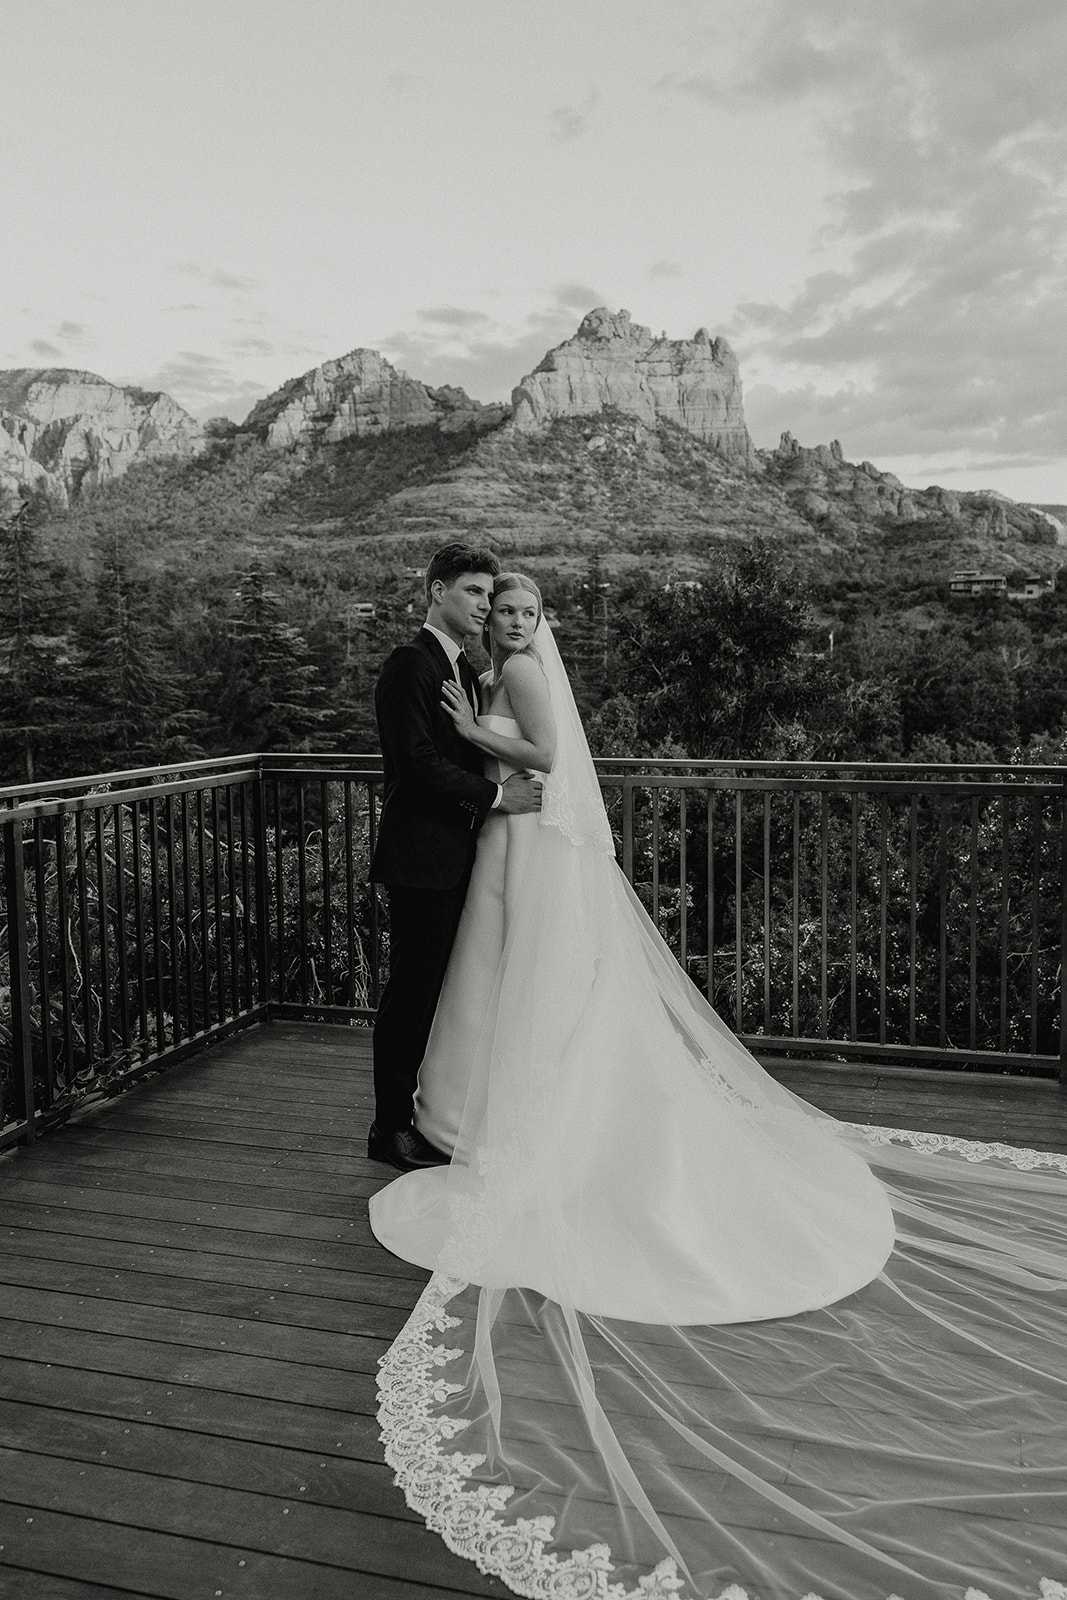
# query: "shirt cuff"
499,796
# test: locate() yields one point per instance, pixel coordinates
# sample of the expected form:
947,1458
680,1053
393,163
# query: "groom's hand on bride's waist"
520,793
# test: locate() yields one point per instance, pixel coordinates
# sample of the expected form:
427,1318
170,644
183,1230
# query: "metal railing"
904,914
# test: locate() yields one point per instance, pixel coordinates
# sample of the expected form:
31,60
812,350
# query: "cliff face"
61,429
612,362
356,395
843,498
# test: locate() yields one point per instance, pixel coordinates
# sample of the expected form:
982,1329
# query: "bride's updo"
516,580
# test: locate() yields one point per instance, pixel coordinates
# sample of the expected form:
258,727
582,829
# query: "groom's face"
461,607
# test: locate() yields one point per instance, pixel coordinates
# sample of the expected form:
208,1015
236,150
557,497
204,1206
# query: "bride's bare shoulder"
523,669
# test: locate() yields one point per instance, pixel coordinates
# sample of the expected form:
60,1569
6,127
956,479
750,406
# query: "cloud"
938,320
230,280
217,278
454,317
570,122
256,347
41,347
666,269
73,332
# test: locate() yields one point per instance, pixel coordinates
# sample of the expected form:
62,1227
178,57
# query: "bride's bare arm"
530,707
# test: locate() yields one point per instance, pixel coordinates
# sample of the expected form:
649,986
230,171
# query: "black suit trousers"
422,930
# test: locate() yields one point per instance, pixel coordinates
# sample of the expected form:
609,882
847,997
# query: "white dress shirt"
453,651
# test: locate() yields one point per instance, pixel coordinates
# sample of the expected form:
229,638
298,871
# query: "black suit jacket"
436,796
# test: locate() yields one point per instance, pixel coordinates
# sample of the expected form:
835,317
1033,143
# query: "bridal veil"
687,1335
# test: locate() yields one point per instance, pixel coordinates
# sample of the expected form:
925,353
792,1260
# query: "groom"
435,800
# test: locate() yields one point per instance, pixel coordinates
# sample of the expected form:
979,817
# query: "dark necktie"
469,682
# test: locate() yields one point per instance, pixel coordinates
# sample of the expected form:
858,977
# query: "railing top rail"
24,793
36,799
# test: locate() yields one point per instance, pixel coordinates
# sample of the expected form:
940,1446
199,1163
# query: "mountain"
62,430
612,363
356,395
618,442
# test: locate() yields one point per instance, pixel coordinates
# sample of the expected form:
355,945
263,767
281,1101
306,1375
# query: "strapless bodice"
495,768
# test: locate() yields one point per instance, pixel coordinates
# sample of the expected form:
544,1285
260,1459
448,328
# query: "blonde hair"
516,580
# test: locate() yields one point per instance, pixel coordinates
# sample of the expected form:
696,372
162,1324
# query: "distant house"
1033,587
970,581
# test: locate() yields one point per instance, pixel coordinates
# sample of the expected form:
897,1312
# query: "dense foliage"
244,599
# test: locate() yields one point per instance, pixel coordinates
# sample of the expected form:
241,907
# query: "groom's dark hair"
451,560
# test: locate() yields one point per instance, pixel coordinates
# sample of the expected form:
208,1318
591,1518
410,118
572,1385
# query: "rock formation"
62,429
612,362
360,393
845,498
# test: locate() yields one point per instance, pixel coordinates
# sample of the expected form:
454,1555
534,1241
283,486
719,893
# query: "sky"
866,198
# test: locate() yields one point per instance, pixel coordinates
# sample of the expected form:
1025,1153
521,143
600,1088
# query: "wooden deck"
192,1310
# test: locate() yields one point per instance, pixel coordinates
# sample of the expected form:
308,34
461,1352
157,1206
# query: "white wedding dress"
666,1349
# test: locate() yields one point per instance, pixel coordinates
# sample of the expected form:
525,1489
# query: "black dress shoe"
406,1149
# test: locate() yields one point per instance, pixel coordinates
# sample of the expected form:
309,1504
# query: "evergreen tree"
270,694
137,710
38,668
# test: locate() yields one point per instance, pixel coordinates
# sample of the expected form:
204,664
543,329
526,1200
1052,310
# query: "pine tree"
138,712
270,694
39,709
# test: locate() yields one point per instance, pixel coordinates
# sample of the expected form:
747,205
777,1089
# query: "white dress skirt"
687,1335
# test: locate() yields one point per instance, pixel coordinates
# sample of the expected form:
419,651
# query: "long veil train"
687,1335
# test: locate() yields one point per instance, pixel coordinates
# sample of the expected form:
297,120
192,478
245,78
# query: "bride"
687,1335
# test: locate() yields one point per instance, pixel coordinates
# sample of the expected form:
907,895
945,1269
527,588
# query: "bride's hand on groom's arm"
521,793
455,702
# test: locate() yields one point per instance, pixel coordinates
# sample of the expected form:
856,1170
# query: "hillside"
618,443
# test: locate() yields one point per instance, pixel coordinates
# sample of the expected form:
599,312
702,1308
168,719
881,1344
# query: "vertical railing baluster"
374,910
853,935
64,951
204,943
121,942
263,890
188,914
942,898
1035,924
1063,933
711,895
766,911
683,924
159,964
279,889
739,975
327,897
628,828
19,978
44,933
302,895
883,929
654,795
1005,870
107,1038
824,956
18,949
234,855
795,997
350,886
972,1009
84,940
218,918
137,875
913,913
172,921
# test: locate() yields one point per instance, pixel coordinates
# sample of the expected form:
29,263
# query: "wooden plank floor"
191,1312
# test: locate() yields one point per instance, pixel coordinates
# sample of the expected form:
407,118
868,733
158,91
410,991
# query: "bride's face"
512,620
